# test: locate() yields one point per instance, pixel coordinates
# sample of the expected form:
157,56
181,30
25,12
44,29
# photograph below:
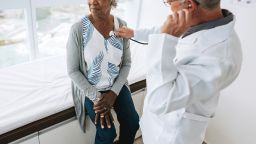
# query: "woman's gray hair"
114,3
208,4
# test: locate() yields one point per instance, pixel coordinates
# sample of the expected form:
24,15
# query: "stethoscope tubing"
143,43
139,42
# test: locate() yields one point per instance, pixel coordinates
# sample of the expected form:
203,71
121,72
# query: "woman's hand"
107,101
105,118
125,32
103,107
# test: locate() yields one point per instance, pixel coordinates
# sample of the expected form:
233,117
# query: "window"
53,26
13,34
32,29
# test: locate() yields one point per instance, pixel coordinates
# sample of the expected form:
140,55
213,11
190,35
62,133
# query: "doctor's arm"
175,25
142,34
137,34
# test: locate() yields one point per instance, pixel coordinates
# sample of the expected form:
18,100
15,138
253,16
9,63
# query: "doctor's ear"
191,4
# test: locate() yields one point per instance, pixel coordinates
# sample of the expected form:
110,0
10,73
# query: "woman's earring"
189,6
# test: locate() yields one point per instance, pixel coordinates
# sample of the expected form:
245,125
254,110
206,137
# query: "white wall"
235,121
153,13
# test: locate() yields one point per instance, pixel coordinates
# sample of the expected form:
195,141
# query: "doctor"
195,55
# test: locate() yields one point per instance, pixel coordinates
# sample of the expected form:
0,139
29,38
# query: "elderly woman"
98,65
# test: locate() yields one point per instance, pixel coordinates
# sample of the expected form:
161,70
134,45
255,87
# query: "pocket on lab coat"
151,128
169,129
191,129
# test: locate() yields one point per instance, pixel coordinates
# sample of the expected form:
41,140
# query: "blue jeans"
127,117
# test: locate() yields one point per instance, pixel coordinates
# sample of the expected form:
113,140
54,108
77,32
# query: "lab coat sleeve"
143,33
195,78
73,68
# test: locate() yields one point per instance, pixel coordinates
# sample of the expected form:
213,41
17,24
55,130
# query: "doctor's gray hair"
113,3
208,4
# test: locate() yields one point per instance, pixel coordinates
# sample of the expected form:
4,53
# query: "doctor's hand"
177,23
125,32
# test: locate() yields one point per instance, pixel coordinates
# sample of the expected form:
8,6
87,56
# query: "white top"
102,55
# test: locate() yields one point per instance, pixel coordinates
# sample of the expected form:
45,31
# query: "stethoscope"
112,33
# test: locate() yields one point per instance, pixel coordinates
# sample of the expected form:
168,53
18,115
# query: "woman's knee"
132,122
135,123
106,134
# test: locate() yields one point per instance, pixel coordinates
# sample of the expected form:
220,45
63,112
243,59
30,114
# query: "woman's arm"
73,65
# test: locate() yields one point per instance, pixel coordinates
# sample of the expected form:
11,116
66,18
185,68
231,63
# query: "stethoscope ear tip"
111,33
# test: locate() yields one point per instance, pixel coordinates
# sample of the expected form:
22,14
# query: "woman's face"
100,7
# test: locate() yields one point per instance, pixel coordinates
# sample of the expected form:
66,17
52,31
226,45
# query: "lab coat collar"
208,36
228,17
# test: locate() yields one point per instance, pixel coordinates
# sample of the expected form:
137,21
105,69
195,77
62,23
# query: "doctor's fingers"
124,32
183,20
175,18
122,29
188,16
119,33
181,15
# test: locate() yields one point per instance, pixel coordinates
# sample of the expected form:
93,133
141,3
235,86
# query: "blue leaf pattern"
87,30
94,72
116,42
113,72
106,44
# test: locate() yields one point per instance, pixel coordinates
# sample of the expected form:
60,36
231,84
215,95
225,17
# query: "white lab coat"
184,80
